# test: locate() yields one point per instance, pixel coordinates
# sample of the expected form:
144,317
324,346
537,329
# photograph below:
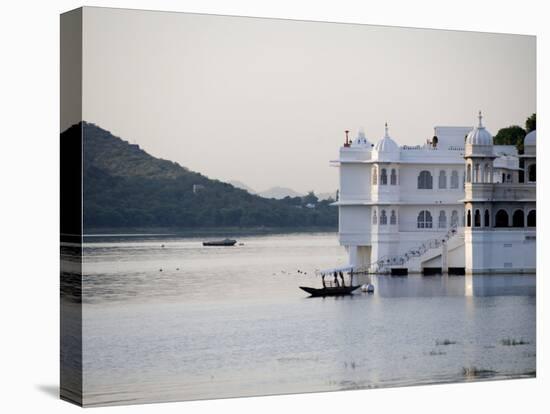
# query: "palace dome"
479,135
530,138
386,144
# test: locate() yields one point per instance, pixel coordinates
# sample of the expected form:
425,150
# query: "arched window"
533,173
374,175
425,180
454,179
424,220
501,219
383,177
476,173
383,218
442,179
532,218
469,173
469,219
477,219
487,218
442,219
393,217
454,218
518,219
374,218
393,177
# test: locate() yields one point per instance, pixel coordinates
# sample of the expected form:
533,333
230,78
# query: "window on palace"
518,219
501,219
383,176
532,173
425,180
454,179
393,177
442,179
469,173
424,220
374,175
469,219
532,218
393,217
442,219
383,218
477,219
487,218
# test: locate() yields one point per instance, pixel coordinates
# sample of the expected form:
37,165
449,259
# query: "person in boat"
342,277
336,284
323,280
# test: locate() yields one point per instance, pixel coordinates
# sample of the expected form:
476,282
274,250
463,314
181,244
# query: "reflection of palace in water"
469,285
457,204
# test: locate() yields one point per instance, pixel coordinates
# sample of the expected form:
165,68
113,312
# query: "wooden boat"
330,291
224,242
335,288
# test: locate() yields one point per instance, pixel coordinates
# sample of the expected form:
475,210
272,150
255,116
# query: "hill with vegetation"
126,187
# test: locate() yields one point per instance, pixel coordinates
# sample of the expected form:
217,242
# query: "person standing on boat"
342,277
336,284
323,280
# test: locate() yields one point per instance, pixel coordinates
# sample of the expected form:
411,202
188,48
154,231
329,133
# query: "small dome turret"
530,138
479,135
386,143
530,143
386,148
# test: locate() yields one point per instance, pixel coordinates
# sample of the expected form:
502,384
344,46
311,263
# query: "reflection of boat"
330,291
224,242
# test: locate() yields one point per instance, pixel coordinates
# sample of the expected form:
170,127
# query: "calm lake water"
184,322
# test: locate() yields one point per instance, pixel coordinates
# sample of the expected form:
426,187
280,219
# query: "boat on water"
336,287
224,242
330,290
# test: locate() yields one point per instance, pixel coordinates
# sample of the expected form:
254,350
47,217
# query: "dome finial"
480,117
386,129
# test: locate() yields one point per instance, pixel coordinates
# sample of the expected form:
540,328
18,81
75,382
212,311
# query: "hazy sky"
266,101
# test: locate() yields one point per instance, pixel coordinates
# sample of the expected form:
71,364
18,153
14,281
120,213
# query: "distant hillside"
242,186
126,187
279,193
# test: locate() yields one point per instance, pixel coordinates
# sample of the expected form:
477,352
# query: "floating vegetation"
445,342
513,342
475,372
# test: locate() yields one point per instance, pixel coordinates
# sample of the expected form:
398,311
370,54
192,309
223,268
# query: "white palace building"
457,204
